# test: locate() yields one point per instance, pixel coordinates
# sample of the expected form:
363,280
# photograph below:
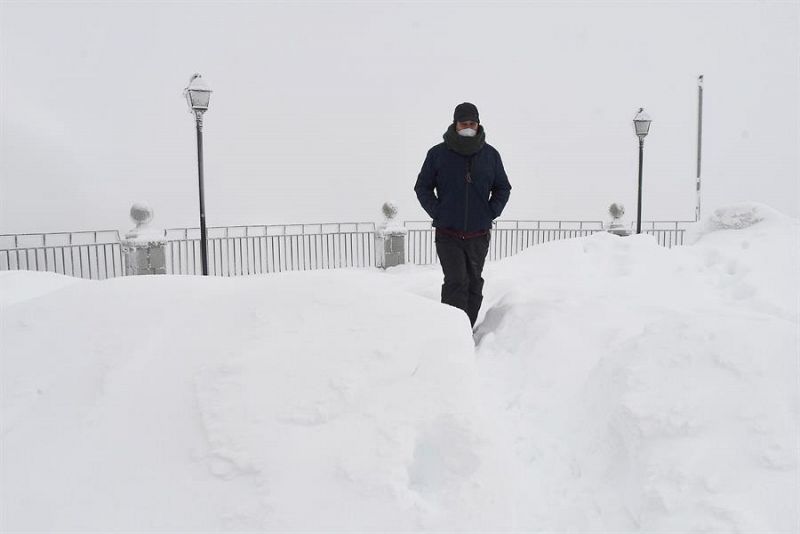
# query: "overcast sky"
322,111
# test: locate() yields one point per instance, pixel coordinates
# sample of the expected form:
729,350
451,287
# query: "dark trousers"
462,263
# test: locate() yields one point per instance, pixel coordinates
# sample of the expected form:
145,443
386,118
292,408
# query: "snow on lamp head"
641,123
197,94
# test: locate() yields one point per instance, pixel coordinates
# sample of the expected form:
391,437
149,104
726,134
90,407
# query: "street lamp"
197,96
641,123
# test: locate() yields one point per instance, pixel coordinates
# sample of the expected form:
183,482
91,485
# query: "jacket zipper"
467,181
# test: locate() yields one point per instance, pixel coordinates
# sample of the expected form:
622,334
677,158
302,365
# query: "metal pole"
639,206
699,141
203,250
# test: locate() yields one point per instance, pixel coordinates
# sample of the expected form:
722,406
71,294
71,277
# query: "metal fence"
95,255
508,237
245,250
668,233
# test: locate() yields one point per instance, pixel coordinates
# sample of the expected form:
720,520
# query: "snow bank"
737,217
18,286
646,389
616,386
281,402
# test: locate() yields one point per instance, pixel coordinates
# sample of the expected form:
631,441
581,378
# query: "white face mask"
467,132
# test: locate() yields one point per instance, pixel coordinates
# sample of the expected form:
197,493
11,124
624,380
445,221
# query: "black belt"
459,234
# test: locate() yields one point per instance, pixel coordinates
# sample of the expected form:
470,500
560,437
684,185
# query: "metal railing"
512,237
668,233
508,237
246,250
92,254
258,249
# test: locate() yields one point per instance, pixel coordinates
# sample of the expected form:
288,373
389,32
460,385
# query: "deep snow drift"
615,386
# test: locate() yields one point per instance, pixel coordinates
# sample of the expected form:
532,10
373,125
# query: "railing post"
617,226
143,247
390,239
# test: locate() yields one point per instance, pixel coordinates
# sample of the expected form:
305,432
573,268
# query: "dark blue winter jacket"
453,201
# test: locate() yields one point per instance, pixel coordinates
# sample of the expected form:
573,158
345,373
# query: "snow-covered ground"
611,386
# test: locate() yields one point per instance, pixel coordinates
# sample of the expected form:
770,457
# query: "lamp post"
197,96
641,123
699,141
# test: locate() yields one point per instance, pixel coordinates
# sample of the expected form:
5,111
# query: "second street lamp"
641,123
197,96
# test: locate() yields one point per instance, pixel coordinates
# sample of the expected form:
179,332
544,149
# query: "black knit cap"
466,112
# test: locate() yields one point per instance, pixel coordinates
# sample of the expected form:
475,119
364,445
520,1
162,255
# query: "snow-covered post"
390,239
143,247
616,227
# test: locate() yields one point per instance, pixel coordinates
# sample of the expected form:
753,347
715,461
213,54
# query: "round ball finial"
141,213
389,210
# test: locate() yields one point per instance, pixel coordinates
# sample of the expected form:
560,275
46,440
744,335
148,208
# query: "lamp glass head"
197,93
641,123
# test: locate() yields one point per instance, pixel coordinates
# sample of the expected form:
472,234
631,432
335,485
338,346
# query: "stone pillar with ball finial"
390,239
143,246
616,227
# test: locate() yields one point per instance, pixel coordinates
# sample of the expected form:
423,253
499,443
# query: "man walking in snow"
463,187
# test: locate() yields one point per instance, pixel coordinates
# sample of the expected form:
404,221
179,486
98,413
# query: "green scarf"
466,146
